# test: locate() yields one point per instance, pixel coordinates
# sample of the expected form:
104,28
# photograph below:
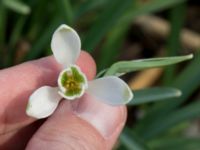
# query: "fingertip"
87,64
105,118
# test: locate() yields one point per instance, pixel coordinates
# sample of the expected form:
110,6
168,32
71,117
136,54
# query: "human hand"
82,124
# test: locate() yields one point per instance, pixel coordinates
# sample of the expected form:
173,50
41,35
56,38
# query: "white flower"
72,83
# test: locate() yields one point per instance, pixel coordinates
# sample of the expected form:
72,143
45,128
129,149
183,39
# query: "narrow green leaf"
37,48
17,6
108,18
37,27
189,77
105,22
154,94
175,143
66,10
3,16
88,6
3,25
187,81
101,73
186,113
135,65
131,141
16,33
111,47
149,7
14,38
177,18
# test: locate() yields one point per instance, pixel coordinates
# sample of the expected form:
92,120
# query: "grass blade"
110,49
88,6
3,24
135,65
154,94
131,141
16,33
17,6
101,73
108,19
3,17
37,48
188,81
105,22
186,113
66,10
149,7
188,78
176,143
177,17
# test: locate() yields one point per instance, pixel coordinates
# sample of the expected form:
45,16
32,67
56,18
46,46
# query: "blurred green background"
158,118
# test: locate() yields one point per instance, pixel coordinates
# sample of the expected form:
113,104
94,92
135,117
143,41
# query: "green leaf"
43,40
131,141
175,143
17,6
3,35
186,113
101,73
88,6
122,15
135,65
38,20
154,94
177,18
110,49
17,31
187,81
115,38
3,21
66,10
149,7
105,22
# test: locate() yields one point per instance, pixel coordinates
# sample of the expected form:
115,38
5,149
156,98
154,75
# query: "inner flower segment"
72,83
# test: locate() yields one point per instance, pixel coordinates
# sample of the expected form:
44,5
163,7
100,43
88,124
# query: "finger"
18,139
85,124
17,84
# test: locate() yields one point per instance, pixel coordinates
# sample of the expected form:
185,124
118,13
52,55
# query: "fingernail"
103,117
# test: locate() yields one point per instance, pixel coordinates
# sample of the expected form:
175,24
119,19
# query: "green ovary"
72,87
72,81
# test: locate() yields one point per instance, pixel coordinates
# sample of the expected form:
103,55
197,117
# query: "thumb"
83,124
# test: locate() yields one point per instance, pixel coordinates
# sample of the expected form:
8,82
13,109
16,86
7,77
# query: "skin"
67,128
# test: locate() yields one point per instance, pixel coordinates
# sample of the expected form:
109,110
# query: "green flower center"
71,85
72,82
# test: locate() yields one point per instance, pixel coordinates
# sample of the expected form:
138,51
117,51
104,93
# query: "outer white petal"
111,90
43,102
66,45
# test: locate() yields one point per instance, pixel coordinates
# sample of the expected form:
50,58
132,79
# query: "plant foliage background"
158,118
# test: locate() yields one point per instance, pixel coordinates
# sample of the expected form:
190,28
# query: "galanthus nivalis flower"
72,83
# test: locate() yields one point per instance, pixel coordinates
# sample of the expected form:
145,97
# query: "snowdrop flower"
72,83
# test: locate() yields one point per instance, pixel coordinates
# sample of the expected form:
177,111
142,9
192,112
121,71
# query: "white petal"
111,90
66,45
43,102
